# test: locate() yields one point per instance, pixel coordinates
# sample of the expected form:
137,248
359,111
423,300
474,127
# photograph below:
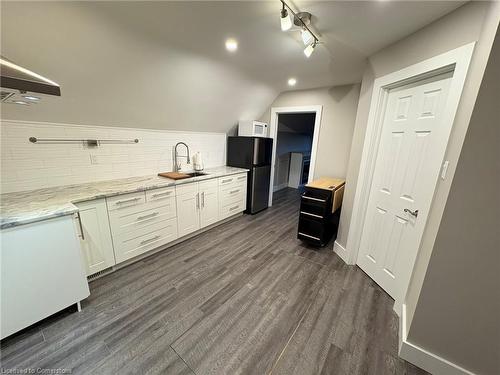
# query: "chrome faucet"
177,165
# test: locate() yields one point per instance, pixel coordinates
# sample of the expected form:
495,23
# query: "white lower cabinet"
188,205
197,206
232,195
143,221
95,236
209,205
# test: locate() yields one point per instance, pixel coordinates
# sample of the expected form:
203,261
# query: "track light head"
309,49
307,37
286,22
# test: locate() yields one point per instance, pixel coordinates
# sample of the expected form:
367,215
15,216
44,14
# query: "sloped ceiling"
301,123
163,65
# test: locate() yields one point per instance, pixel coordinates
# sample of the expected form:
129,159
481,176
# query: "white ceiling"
163,65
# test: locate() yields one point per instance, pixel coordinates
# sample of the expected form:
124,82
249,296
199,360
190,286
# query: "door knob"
412,213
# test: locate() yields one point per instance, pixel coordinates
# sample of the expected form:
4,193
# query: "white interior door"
412,146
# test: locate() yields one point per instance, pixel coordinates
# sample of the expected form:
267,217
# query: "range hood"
22,86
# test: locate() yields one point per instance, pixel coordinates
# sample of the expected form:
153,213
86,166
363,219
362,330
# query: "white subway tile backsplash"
26,166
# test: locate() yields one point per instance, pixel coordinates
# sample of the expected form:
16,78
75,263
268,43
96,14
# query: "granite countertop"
26,207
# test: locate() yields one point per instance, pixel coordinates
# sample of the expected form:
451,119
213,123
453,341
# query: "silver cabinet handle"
242,177
203,200
234,208
161,194
313,199
128,200
228,180
313,215
412,213
234,191
306,235
198,201
150,239
81,225
147,216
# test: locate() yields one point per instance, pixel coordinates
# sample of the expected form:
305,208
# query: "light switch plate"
444,169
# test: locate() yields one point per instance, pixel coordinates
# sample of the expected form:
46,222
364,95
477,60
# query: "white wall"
460,27
458,310
337,123
26,165
475,21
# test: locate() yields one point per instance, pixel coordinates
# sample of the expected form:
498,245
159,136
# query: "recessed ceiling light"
231,44
292,81
29,97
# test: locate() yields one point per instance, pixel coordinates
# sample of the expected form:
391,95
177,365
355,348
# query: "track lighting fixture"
309,49
286,22
307,38
300,19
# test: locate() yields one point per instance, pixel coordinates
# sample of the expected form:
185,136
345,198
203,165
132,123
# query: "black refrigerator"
253,153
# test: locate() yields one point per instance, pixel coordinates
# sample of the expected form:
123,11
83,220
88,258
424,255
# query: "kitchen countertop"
24,207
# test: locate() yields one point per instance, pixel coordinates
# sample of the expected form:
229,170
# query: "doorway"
413,136
410,120
293,150
295,131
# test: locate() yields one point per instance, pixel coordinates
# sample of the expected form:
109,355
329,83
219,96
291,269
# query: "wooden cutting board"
174,175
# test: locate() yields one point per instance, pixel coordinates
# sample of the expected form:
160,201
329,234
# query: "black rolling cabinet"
320,207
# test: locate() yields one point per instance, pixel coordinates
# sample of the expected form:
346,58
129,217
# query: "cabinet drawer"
126,200
232,209
189,188
232,185
226,180
241,177
158,195
158,235
314,208
125,221
208,184
234,194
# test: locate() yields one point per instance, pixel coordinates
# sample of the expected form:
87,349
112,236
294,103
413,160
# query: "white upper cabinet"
95,236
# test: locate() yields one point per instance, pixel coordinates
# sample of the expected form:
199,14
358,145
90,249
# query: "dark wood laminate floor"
244,297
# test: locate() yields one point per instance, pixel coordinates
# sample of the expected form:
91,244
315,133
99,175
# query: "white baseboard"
422,358
341,252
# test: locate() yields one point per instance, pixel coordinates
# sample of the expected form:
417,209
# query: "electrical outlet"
94,159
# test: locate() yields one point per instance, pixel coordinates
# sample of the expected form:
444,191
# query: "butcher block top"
335,185
327,183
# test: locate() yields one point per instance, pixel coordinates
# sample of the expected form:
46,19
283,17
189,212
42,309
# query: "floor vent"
99,274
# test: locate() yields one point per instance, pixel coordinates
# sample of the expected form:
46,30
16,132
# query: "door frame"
456,60
273,133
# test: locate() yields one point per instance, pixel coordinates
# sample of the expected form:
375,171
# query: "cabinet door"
209,212
95,236
188,217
